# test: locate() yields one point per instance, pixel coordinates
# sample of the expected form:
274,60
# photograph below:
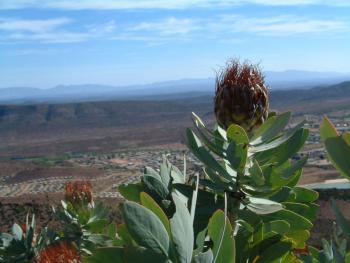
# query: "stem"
234,201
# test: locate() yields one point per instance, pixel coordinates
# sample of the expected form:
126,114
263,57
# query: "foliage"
84,227
249,179
166,233
256,173
243,206
338,150
24,243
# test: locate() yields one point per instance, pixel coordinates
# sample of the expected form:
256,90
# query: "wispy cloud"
155,4
50,30
223,27
283,25
52,37
103,28
168,29
32,25
170,26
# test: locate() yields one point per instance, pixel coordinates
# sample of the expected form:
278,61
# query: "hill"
41,129
292,79
314,100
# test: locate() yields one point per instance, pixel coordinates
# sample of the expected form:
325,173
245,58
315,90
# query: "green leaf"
203,155
124,234
155,186
343,223
205,257
257,174
237,155
270,128
151,172
220,232
96,225
284,151
215,177
298,237
141,254
194,200
148,202
281,195
200,239
177,175
212,145
112,230
106,254
278,226
278,141
303,195
274,251
295,220
182,230
97,213
131,192
98,239
29,237
327,250
237,134
262,206
327,130
288,172
165,172
145,227
17,231
339,152
306,210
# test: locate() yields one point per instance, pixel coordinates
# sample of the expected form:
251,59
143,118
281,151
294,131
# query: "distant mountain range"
291,79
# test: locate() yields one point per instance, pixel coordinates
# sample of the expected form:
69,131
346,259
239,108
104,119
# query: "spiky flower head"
79,193
59,253
241,96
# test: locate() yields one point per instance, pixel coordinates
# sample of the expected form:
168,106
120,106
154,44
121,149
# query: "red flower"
79,193
59,253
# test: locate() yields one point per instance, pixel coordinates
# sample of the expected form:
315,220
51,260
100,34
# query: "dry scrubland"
44,146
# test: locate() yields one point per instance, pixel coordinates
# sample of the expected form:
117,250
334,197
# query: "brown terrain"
44,146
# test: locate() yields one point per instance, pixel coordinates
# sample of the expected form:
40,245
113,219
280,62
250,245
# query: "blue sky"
44,43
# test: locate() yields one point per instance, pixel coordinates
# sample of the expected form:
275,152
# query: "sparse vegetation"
241,202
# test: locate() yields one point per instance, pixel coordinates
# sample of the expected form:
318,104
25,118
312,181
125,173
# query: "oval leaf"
220,232
145,227
182,230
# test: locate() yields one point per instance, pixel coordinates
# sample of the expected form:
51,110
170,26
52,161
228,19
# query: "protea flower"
58,253
241,96
79,194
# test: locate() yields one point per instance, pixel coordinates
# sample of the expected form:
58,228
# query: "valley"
43,146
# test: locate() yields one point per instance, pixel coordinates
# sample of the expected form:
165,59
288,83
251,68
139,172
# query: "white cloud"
50,30
231,27
169,29
32,25
104,28
52,37
169,26
154,4
281,25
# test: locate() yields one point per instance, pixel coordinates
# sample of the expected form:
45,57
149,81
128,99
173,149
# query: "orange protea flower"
59,253
241,96
79,193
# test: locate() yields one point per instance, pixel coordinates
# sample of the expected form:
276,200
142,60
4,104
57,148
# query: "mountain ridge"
95,92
